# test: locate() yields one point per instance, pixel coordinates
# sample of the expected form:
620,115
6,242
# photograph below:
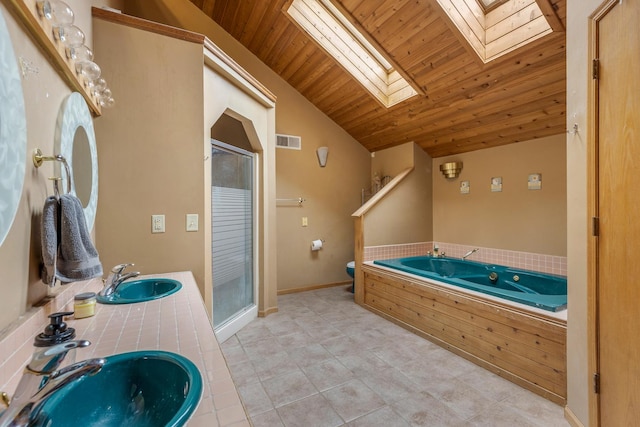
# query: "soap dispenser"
57,332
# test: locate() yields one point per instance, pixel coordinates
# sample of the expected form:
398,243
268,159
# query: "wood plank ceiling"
466,105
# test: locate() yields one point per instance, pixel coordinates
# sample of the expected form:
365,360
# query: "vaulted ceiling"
466,104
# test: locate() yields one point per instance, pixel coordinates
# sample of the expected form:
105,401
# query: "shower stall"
232,222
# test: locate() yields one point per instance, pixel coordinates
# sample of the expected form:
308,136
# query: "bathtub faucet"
468,254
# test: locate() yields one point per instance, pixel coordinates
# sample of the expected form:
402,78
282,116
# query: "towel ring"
39,159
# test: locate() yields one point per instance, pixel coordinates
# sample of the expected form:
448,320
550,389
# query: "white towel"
67,250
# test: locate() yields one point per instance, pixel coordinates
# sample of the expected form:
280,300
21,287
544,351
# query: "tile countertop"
176,323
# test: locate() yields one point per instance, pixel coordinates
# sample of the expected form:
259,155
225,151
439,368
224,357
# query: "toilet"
351,271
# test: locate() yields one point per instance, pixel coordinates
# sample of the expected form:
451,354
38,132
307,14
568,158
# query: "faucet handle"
5,399
118,269
65,347
50,358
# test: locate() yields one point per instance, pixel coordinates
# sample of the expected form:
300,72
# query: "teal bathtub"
545,291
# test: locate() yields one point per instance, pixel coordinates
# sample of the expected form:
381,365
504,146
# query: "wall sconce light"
451,169
322,153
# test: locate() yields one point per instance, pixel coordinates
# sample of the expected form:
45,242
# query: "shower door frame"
232,325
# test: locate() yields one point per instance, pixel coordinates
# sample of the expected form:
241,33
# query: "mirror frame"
13,133
74,113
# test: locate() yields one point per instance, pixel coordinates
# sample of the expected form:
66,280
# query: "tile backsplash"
551,264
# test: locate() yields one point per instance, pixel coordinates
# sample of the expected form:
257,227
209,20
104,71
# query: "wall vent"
289,141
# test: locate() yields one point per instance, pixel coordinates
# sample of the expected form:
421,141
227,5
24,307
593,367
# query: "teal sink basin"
141,290
141,388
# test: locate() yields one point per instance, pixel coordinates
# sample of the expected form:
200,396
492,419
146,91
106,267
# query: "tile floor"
322,360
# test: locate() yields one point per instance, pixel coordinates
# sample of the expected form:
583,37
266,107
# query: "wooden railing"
359,229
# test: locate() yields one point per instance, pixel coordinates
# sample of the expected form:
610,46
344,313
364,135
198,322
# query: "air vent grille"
288,141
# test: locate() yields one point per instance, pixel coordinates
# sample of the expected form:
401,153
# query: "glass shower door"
232,235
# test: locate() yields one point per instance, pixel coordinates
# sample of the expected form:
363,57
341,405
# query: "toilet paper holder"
316,245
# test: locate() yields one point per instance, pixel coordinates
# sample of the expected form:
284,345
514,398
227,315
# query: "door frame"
593,309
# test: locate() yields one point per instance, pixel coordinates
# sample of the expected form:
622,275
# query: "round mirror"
77,141
82,174
13,133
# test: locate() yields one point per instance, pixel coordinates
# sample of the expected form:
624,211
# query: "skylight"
496,27
487,5
342,40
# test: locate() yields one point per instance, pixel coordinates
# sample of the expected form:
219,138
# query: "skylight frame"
332,31
509,25
489,5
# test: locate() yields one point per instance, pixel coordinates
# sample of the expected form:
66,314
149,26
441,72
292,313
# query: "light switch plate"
157,223
305,221
192,222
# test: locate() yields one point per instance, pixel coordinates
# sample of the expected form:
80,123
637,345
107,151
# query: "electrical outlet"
157,223
192,222
305,221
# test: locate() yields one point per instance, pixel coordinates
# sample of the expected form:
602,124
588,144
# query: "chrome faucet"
42,377
468,254
116,278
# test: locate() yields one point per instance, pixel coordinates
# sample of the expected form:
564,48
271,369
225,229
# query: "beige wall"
43,93
392,161
332,193
405,214
515,219
578,375
150,151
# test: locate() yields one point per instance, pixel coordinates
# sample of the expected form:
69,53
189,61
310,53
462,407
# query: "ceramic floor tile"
353,399
235,353
499,416
383,417
396,355
308,321
321,333
390,384
296,339
424,373
423,409
324,361
342,346
254,331
288,388
309,355
284,325
328,374
540,411
267,419
364,363
243,373
255,399
261,349
465,401
312,411
491,384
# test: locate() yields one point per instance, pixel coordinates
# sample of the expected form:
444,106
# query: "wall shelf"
41,32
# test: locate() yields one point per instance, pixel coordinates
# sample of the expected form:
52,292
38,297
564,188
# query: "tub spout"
468,254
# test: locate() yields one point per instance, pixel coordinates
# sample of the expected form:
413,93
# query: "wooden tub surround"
527,348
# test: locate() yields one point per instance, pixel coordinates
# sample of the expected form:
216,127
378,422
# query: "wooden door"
617,49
